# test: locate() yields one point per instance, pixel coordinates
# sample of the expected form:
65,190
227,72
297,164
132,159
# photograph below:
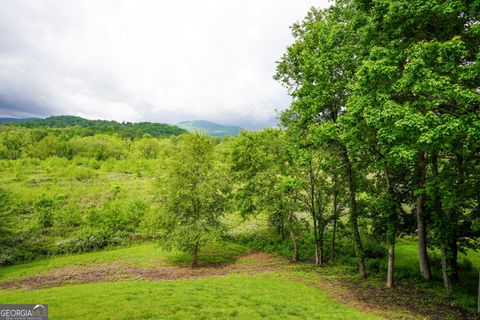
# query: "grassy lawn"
233,296
143,255
268,295
290,291
147,255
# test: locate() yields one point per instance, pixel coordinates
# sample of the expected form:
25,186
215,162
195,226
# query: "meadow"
233,282
238,294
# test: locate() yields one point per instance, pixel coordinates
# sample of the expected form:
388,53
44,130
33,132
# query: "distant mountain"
2,120
210,128
125,129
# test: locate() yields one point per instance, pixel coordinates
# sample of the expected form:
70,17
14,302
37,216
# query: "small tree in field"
193,195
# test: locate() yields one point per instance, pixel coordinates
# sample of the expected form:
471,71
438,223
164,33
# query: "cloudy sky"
159,60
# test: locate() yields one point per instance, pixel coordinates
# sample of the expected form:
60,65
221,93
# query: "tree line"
384,125
389,90
90,127
18,142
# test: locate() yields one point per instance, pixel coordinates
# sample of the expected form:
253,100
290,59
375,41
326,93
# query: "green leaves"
193,194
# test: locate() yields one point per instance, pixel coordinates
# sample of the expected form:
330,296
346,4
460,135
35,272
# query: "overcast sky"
162,61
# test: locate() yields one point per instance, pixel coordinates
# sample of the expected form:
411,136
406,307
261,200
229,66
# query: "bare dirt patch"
399,303
73,274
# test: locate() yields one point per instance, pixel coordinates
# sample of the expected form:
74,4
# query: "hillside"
126,129
210,128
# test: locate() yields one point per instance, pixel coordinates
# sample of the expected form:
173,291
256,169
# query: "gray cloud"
163,61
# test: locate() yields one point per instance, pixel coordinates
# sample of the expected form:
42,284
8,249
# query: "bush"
83,173
465,264
374,249
90,240
25,248
374,265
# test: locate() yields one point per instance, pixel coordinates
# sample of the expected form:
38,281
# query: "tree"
318,70
311,187
395,82
259,163
418,90
146,147
193,195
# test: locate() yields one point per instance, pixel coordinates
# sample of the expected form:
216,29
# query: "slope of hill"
210,128
126,129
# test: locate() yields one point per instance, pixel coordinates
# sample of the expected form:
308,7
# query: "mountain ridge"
126,129
210,128
137,128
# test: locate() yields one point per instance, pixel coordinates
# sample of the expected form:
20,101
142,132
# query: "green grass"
269,295
234,296
406,259
147,255
407,268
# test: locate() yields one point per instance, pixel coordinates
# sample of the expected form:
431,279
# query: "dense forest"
379,148
90,127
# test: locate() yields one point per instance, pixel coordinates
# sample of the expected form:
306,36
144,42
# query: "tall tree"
310,186
318,69
193,197
259,163
418,88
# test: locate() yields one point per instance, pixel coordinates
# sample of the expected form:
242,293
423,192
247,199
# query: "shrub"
465,264
87,240
83,173
374,249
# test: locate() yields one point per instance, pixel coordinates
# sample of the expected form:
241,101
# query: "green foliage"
127,130
193,195
7,212
99,147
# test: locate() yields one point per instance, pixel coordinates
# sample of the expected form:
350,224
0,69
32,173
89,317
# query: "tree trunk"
314,217
445,234
421,223
354,215
195,255
295,246
452,261
335,195
446,279
317,253
478,295
391,232
315,235
320,246
391,265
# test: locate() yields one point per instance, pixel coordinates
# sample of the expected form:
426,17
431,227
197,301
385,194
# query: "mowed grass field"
232,296
239,294
145,282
